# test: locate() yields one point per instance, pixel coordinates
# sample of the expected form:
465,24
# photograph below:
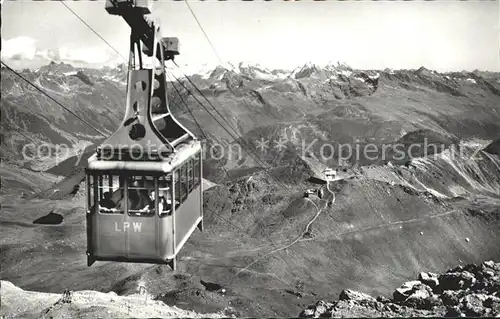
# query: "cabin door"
111,220
142,219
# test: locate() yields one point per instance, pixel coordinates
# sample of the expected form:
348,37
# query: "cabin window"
165,195
100,193
196,171
183,183
181,190
90,193
187,177
141,196
165,182
177,188
111,193
190,179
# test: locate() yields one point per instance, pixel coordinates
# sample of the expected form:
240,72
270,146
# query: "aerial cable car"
144,190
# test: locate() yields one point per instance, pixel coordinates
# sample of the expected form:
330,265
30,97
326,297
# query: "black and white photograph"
250,159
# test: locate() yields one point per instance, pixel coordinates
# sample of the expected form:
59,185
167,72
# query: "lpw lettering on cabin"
136,226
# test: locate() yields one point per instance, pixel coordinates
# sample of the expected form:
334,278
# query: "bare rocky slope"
464,291
470,290
403,211
19,303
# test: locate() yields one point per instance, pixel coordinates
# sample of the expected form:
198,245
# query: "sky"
444,35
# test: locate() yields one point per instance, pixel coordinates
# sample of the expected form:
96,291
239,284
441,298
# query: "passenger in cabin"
135,196
163,206
145,203
118,197
139,198
120,204
107,202
112,202
165,201
150,203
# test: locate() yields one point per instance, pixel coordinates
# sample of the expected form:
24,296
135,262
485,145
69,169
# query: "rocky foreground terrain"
19,303
464,291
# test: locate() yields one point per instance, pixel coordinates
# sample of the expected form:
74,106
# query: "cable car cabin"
139,215
144,190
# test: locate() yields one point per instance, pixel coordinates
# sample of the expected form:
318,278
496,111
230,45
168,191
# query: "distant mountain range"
333,102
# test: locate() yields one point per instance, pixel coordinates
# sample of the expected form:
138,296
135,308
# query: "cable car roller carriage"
144,189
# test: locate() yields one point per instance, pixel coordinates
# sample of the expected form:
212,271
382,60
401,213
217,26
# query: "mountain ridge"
249,101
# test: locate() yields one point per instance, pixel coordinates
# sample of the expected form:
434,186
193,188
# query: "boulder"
320,309
473,269
403,292
430,279
456,280
451,297
493,303
491,265
454,312
432,303
416,295
307,313
421,297
383,299
459,268
494,284
354,295
417,299
472,305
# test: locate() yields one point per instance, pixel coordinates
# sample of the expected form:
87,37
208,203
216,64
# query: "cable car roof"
165,165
